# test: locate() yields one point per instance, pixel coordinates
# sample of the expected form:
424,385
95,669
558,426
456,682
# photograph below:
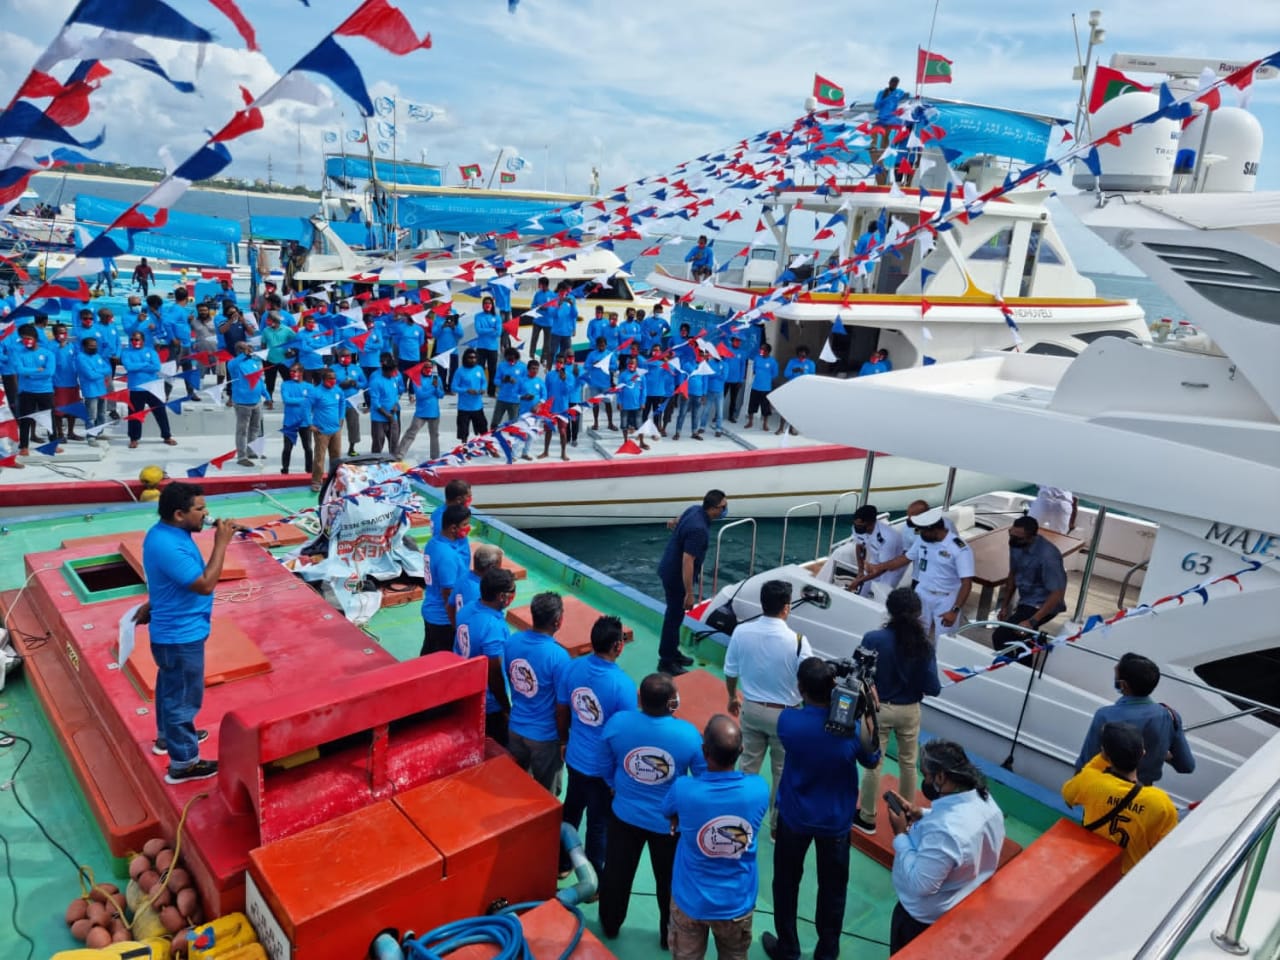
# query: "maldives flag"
932,67
470,171
1109,84
826,92
505,177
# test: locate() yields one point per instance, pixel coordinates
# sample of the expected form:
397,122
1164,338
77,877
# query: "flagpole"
494,168
928,45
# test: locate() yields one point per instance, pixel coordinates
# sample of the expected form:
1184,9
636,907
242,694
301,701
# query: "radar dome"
1232,149
1144,159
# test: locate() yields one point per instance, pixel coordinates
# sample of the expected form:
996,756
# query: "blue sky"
631,87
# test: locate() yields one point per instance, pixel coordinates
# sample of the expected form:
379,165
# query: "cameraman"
906,672
817,800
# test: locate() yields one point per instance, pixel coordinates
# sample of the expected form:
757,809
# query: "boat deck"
46,880
205,430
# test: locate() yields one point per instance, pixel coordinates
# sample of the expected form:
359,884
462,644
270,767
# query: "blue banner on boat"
208,253
100,210
455,214
972,130
361,168
300,229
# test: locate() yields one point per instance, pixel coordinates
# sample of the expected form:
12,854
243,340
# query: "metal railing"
835,516
786,522
1244,852
1124,582
751,559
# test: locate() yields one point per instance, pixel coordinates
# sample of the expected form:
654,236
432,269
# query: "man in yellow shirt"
1116,805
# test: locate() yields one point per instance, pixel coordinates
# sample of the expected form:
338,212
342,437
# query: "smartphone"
894,803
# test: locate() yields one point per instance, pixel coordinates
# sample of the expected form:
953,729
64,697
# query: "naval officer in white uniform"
943,566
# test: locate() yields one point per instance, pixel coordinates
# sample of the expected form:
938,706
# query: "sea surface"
629,553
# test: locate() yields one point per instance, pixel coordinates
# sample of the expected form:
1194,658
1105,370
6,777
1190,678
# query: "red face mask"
28,342
763,354
467,503
464,530
330,384
297,375
345,361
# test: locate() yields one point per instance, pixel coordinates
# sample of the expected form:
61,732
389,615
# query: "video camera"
852,699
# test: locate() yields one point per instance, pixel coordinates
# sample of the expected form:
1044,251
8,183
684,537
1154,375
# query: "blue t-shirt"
691,535
172,563
542,317
534,663
426,403
464,591
470,383
715,875
564,322
35,368
533,392
818,790
562,391
649,755
92,371
482,632
593,689
508,377
441,569
487,328
384,394
409,338
764,370
328,408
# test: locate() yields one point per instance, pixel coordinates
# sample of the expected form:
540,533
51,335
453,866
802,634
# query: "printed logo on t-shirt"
426,570
462,640
725,837
523,680
649,765
586,706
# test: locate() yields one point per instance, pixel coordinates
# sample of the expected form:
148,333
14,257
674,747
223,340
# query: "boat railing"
751,557
1242,858
1124,582
835,516
786,522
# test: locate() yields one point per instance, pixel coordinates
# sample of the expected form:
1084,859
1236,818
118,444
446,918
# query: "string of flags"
1202,591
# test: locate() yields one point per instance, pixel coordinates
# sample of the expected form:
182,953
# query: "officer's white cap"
928,519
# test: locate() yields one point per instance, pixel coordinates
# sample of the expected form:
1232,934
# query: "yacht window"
1226,279
615,288
1051,350
764,253
996,247
1254,675
1045,251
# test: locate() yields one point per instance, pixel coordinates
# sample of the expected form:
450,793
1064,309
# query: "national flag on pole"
932,67
826,92
1109,84
470,171
505,177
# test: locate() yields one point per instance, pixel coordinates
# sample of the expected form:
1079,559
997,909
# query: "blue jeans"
693,407
97,410
590,794
713,412
832,856
179,694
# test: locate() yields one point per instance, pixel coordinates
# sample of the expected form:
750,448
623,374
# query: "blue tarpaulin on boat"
100,210
972,130
454,214
148,243
300,229
360,168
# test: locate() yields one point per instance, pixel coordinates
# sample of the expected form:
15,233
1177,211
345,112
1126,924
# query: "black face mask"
931,793
388,370
1016,543
90,350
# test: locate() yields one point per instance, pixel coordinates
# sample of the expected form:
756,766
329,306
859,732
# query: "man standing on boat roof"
1162,735
179,609
943,566
680,570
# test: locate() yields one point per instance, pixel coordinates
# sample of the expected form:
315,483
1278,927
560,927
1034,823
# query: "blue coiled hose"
502,928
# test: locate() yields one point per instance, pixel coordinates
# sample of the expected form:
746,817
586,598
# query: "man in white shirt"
762,659
943,568
1054,509
878,543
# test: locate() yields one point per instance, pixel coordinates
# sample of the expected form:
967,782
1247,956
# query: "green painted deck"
46,880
